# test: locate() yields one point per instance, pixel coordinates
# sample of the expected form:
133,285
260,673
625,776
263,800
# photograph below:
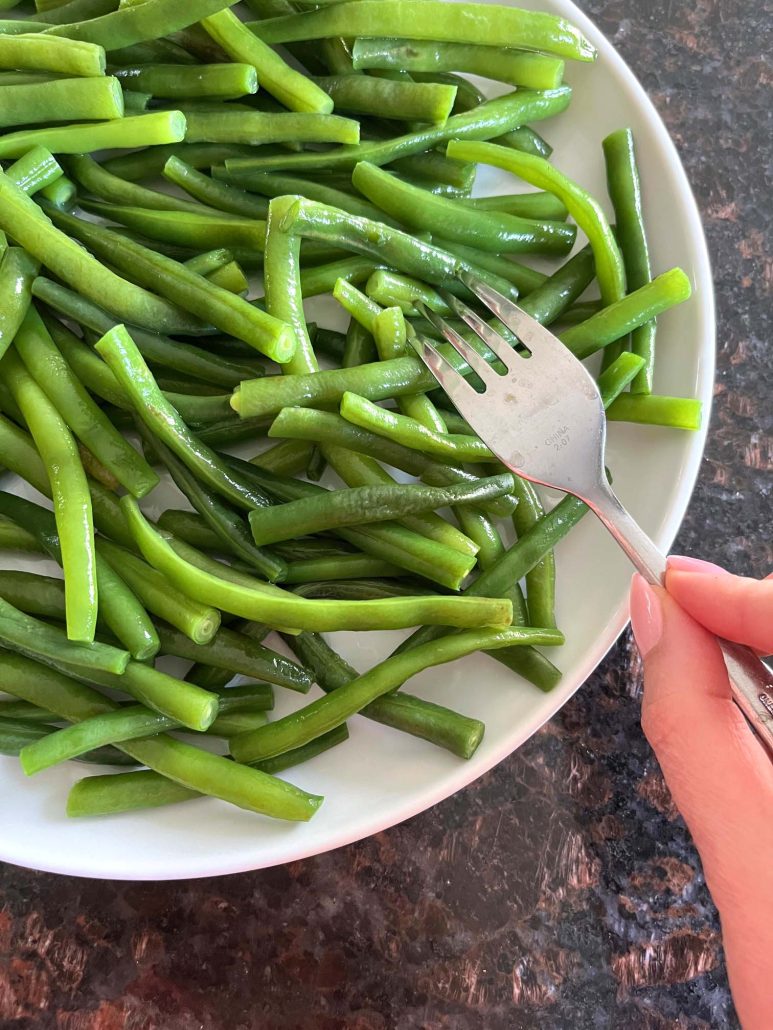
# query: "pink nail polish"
646,615
680,563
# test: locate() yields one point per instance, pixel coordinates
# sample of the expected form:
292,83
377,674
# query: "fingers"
721,780
735,607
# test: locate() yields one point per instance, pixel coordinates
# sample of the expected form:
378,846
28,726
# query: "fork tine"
476,361
528,330
455,385
490,337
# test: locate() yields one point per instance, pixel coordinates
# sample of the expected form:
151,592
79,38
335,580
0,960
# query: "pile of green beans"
341,163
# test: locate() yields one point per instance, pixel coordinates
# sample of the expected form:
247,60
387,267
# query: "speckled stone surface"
560,892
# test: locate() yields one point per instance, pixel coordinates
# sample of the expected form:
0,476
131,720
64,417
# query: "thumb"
721,780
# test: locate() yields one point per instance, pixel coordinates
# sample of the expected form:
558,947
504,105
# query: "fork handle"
751,681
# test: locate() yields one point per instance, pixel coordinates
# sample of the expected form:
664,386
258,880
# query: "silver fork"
544,419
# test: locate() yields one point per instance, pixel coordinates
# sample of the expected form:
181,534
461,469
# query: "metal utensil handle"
751,681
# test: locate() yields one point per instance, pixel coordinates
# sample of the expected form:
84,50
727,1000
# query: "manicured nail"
646,615
680,563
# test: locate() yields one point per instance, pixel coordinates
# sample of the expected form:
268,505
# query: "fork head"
542,415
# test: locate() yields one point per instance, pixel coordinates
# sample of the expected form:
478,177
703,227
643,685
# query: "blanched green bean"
79,99
98,180
516,67
36,169
227,81
281,275
63,56
142,130
273,609
17,272
489,120
289,86
656,410
400,100
257,128
330,711
217,194
482,24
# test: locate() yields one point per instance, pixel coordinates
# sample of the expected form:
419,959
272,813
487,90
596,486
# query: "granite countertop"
561,890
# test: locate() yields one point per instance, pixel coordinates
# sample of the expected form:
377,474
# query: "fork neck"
645,556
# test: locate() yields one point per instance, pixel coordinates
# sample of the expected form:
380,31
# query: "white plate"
382,777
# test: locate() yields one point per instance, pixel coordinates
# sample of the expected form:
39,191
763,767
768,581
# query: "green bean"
299,424
163,421
149,163
437,170
527,205
288,610
237,653
618,319
175,81
393,290
198,621
38,639
282,185
330,711
23,711
411,433
196,230
489,120
400,100
199,770
14,538
518,68
190,528
135,103
140,130
63,56
482,24
209,261
36,169
541,580
61,194
152,51
52,373
161,350
72,501
579,312
287,458
257,128
75,10
323,278
362,505
434,723
231,723
359,345
102,183
380,242
32,594
547,302
281,272
231,277
17,734
625,193
17,272
586,211
656,410
81,99
523,278
298,755
231,530
290,87
136,23
227,312
359,306
217,194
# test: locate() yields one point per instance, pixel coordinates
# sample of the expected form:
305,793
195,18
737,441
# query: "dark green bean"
227,81
527,205
217,194
97,180
149,163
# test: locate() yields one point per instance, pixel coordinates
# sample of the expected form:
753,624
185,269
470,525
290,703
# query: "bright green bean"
258,128
281,273
142,130
323,278
63,56
656,410
516,67
401,100
71,497
74,404
586,211
481,24
273,609
527,205
289,86
36,169
489,120
77,99
17,272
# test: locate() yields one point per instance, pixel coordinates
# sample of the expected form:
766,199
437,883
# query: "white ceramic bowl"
381,777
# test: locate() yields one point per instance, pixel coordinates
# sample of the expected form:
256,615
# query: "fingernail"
646,615
680,563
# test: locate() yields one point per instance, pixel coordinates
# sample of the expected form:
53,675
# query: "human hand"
719,774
